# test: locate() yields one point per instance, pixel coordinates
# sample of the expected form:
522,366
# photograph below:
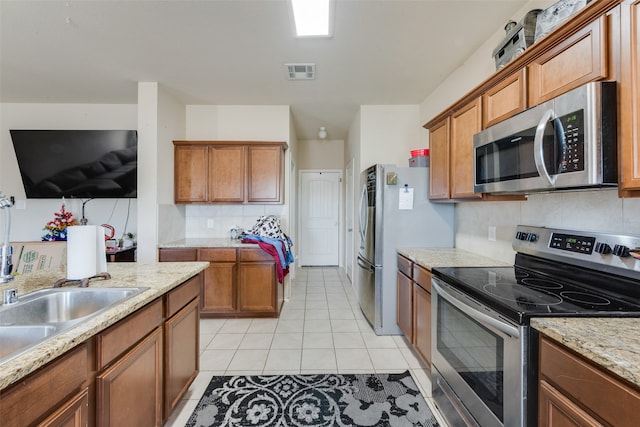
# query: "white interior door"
319,217
348,250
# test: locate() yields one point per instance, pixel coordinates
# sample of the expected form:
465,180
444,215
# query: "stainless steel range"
485,354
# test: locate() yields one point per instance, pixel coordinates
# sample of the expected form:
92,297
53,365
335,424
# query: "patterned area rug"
313,400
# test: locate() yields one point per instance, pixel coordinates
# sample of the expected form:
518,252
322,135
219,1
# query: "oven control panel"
613,252
572,243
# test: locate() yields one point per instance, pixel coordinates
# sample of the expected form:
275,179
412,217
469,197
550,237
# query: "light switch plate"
492,233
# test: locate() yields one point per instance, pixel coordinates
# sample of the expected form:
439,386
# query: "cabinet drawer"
180,296
33,397
594,389
254,255
422,277
405,266
216,254
118,338
177,254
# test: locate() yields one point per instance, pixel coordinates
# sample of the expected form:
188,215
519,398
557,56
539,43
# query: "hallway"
320,330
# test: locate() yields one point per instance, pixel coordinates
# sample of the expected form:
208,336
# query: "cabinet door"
464,124
556,410
129,392
219,285
264,174
74,413
226,173
505,99
405,308
422,323
629,91
257,292
182,354
580,59
439,161
190,174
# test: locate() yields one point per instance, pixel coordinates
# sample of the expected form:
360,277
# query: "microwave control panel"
573,133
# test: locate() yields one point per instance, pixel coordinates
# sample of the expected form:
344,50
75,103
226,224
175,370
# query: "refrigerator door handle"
362,263
364,203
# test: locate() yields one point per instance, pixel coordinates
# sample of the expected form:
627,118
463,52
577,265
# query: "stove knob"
602,248
621,251
521,235
531,237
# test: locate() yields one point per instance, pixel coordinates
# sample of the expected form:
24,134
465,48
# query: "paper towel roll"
101,250
81,251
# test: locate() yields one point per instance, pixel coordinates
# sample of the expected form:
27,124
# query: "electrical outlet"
492,233
209,222
21,204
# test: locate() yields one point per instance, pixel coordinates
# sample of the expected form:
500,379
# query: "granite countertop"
207,242
158,277
447,257
612,343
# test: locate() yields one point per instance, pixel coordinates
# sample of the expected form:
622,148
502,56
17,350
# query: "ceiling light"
322,133
312,18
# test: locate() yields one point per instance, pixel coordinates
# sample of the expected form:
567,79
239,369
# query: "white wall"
321,154
27,224
237,123
587,210
388,133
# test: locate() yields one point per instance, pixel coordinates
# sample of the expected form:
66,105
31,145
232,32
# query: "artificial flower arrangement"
57,228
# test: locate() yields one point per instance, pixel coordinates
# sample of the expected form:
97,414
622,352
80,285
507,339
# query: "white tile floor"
320,330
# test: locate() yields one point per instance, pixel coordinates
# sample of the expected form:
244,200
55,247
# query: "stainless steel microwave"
569,142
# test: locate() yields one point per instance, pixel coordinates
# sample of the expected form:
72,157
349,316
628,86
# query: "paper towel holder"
84,283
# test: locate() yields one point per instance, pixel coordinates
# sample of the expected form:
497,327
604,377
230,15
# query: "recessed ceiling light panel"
312,18
301,71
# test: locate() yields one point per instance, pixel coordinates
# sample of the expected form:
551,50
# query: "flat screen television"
77,163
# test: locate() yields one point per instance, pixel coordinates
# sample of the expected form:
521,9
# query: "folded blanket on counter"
277,248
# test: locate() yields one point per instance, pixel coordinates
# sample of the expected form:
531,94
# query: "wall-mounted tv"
77,163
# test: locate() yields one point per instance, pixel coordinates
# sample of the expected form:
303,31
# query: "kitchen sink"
16,338
43,314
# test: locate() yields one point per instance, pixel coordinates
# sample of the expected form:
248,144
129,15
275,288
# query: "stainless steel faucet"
6,256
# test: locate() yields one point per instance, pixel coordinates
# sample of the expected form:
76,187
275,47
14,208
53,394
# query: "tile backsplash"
217,220
599,210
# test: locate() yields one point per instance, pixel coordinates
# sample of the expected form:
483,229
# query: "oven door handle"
496,324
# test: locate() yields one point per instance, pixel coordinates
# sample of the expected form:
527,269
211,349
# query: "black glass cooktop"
520,293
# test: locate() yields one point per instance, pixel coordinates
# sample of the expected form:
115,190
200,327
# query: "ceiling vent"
301,71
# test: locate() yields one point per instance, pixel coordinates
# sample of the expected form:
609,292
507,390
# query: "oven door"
478,361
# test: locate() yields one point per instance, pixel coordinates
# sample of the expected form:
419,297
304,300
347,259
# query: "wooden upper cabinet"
226,174
439,160
629,91
229,172
505,99
580,59
464,124
190,174
264,174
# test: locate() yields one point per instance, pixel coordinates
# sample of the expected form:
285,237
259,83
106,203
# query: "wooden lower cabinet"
182,345
129,392
422,322
218,288
405,306
239,282
573,391
414,307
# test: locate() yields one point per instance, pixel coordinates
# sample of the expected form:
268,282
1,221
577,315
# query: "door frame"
349,179
340,172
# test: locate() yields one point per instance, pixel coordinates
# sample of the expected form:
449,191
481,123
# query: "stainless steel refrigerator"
387,223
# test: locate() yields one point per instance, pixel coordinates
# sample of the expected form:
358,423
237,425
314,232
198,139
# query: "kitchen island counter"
608,342
159,278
